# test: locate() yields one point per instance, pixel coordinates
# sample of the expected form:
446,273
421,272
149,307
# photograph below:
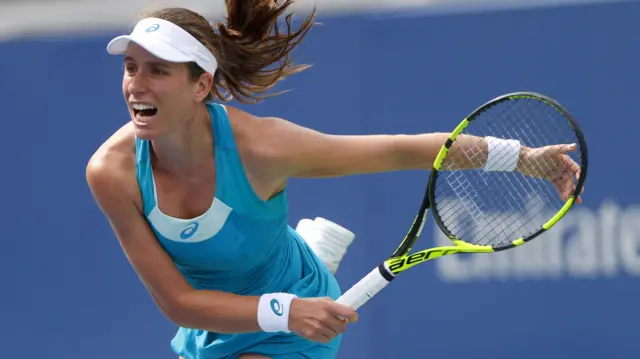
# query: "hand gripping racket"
485,211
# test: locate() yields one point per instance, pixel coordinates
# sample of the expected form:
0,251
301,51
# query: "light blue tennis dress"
241,245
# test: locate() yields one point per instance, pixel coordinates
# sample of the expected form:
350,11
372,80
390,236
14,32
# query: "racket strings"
485,234
526,131
461,188
493,208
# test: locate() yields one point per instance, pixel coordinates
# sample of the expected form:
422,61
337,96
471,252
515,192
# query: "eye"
159,71
129,68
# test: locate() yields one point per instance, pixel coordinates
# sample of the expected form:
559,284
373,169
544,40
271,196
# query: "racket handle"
365,289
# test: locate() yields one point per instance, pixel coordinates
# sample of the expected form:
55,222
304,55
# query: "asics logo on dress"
189,230
276,307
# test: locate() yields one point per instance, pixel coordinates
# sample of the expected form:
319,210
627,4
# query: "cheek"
125,86
172,101
180,96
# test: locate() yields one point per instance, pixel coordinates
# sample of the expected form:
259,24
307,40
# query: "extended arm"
295,151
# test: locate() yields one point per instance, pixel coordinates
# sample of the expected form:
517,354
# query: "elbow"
184,311
176,316
175,310
185,315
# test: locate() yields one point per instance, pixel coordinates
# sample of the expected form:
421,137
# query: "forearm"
216,311
420,151
227,313
467,152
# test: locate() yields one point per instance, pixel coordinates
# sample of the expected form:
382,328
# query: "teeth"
143,106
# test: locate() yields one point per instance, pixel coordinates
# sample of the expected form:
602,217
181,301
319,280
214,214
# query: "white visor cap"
166,41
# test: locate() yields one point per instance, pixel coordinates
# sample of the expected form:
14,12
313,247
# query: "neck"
183,151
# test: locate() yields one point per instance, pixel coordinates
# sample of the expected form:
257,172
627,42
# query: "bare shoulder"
244,125
263,143
111,169
263,137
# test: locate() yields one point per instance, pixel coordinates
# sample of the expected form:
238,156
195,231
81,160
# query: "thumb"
343,311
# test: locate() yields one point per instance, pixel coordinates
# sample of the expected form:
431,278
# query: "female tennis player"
195,190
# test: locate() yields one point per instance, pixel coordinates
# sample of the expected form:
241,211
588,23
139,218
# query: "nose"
137,84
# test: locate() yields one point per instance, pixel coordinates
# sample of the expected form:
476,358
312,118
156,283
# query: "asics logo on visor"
153,28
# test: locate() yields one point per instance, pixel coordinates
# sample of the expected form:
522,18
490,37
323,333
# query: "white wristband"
273,312
503,155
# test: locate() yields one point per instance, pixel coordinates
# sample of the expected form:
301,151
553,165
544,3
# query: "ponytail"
252,52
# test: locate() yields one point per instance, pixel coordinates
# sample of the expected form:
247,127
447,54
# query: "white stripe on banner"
20,18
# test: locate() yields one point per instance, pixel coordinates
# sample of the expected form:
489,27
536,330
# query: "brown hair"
252,53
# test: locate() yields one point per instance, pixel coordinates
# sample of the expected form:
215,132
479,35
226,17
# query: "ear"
204,86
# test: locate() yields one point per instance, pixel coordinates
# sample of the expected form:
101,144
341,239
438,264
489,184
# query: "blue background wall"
68,292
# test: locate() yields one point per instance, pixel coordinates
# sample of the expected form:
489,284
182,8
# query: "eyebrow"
152,63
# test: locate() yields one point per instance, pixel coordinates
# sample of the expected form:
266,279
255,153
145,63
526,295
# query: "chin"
145,130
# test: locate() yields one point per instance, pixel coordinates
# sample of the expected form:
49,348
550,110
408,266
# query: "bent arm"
185,306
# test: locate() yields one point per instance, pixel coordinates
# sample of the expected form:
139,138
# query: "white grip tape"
502,155
362,291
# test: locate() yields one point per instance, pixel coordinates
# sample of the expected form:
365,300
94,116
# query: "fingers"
342,311
320,333
554,164
565,183
565,186
559,184
559,149
568,148
325,339
329,327
574,168
569,163
329,333
322,319
316,329
336,325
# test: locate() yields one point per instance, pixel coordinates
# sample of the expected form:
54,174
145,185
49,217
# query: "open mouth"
144,110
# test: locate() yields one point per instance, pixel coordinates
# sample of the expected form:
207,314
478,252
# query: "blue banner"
69,292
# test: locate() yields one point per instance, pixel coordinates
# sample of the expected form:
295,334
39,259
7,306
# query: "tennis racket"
487,211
